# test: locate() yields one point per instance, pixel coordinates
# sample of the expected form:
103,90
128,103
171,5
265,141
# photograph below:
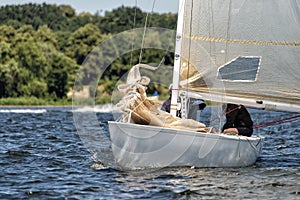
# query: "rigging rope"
147,24
133,38
224,113
151,13
280,121
144,34
228,30
169,45
288,119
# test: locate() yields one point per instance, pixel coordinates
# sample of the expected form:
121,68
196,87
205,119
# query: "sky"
92,6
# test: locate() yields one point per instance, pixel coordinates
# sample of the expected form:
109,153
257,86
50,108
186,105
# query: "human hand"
231,130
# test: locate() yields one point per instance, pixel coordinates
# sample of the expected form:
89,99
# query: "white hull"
138,146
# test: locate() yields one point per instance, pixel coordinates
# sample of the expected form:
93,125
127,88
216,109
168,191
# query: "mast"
177,59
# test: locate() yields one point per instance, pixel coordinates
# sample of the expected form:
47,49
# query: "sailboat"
227,51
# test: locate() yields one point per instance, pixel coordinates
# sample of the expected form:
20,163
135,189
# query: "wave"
101,109
23,110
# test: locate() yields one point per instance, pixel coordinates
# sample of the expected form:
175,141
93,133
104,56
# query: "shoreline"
52,106
34,106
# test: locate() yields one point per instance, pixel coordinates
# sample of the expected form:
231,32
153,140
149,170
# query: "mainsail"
242,51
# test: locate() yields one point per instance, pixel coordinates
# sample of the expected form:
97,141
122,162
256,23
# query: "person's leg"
245,131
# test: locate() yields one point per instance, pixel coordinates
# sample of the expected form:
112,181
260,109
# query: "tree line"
42,46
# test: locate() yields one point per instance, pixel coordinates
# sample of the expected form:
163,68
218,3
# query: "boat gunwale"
193,133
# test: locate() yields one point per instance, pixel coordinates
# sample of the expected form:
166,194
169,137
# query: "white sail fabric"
227,41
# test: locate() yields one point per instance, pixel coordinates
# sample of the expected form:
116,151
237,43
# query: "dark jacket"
238,117
166,105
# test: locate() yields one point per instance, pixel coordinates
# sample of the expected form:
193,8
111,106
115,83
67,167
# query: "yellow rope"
243,41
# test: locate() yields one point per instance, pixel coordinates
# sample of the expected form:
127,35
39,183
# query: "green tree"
42,45
81,44
61,76
122,19
7,33
4,51
32,58
46,35
8,76
82,41
37,88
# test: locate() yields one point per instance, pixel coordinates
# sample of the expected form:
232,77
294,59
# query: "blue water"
42,157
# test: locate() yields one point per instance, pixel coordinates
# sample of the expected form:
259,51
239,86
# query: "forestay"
244,51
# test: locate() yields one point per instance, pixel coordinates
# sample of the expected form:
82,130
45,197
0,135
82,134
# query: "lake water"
42,157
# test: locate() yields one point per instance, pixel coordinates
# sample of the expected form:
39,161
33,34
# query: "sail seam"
212,39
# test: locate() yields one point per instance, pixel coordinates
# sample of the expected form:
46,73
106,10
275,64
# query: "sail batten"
218,32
